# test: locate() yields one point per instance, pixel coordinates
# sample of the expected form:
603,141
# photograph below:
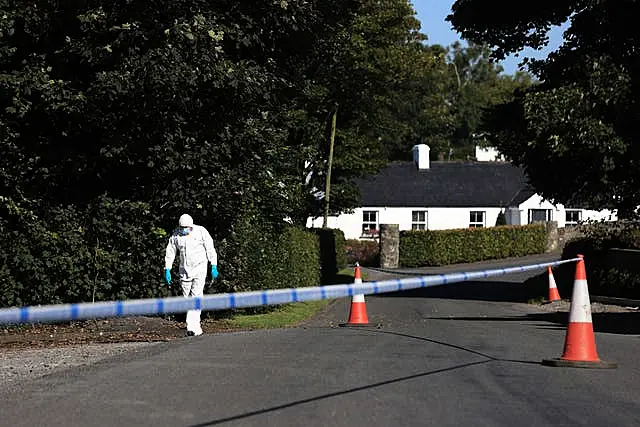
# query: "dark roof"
446,184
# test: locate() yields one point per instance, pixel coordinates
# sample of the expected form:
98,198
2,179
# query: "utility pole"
327,190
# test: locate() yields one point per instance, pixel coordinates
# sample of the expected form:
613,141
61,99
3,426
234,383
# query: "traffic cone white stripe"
358,298
580,303
552,281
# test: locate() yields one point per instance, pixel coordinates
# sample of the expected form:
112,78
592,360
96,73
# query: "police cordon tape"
81,311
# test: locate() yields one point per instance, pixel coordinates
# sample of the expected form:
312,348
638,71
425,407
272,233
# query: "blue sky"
432,14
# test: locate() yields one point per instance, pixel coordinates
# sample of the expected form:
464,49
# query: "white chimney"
421,156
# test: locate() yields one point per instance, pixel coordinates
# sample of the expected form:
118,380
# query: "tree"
117,116
370,67
575,132
475,83
423,107
181,104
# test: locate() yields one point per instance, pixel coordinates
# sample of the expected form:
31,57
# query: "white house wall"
437,219
559,211
350,224
451,218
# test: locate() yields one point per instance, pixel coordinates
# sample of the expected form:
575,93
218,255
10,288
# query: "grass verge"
346,276
284,316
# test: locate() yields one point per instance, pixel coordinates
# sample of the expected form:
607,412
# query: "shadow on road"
337,393
487,359
445,344
477,290
626,323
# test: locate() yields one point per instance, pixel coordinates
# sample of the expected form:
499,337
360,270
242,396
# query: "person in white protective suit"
196,249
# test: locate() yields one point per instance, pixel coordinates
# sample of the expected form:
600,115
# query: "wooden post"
327,190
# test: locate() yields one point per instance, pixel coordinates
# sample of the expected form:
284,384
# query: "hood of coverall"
185,221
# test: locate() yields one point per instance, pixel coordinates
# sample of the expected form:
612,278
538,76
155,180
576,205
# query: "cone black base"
357,325
562,363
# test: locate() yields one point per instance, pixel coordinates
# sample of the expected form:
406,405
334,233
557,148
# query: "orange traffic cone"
580,344
554,295
358,314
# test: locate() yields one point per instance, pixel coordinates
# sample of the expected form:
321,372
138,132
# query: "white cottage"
446,195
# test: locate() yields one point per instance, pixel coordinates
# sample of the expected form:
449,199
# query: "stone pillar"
389,245
552,236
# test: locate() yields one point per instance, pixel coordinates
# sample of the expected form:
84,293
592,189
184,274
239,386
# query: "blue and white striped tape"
66,312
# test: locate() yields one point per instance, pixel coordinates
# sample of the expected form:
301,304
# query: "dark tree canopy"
576,131
118,116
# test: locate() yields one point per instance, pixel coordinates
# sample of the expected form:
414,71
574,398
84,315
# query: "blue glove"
167,275
214,271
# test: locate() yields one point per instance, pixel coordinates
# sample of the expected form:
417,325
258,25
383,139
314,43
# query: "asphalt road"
466,356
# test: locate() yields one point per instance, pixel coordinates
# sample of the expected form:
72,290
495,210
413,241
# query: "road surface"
457,355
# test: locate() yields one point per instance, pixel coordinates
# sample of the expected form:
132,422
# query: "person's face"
185,230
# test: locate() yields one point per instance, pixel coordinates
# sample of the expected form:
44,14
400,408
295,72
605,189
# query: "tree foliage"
181,104
378,72
445,105
118,116
575,132
475,84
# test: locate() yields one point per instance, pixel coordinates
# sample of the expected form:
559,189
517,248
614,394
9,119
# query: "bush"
114,249
365,252
606,275
613,282
296,260
441,247
254,258
60,254
333,257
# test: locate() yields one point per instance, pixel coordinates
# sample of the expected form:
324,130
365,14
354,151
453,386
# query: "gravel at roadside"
596,307
18,365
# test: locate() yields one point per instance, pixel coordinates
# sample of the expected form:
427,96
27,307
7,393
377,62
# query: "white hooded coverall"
196,248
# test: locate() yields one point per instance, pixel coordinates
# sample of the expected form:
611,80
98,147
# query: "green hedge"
296,261
332,252
255,258
115,250
442,247
107,250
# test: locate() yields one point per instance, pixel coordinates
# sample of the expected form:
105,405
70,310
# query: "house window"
369,223
476,219
419,220
539,215
572,217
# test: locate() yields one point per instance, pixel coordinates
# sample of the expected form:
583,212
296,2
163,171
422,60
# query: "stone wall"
552,236
567,234
557,238
389,245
